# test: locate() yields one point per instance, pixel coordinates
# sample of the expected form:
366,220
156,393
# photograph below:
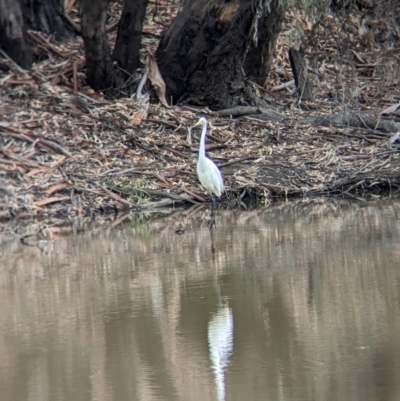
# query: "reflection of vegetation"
137,296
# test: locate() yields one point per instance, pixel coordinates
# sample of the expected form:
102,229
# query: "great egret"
209,175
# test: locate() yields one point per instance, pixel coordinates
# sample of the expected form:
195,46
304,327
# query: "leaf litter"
66,151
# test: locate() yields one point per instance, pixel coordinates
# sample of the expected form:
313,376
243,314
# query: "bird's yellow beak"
197,124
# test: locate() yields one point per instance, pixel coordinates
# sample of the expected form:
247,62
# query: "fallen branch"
354,121
54,146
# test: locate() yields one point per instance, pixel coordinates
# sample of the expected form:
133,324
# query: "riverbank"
62,162
66,151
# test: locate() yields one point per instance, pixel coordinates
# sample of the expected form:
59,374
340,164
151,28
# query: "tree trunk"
127,46
101,74
202,55
13,33
299,68
48,16
40,15
265,31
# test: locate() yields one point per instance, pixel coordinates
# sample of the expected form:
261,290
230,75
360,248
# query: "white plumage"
209,175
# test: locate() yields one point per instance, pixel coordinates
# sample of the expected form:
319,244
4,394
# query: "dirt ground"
66,151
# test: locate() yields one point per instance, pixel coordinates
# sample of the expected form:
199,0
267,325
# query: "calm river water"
299,301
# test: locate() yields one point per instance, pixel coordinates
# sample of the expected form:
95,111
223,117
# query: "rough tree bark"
16,16
265,30
127,46
299,68
202,54
101,74
13,33
47,16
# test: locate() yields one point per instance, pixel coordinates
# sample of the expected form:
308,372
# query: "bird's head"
202,121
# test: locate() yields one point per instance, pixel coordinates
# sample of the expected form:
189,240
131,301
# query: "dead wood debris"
66,153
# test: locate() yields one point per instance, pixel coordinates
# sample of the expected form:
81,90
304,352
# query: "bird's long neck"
202,149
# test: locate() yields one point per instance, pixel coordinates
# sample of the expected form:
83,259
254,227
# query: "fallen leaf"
358,57
94,95
362,31
69,6
153,73
138,117
22,81
389,110
141,114
56,187
52,200
37,171
394,138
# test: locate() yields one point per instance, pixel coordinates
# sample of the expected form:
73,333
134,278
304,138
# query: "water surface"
298,302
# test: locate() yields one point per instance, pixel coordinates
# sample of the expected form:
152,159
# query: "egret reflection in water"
220,342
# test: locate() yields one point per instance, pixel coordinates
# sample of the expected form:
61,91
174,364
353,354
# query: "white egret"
209,175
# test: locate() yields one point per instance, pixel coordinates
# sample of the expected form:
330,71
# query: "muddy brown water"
299,301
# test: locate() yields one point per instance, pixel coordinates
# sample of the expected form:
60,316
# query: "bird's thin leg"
211,223
214,200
